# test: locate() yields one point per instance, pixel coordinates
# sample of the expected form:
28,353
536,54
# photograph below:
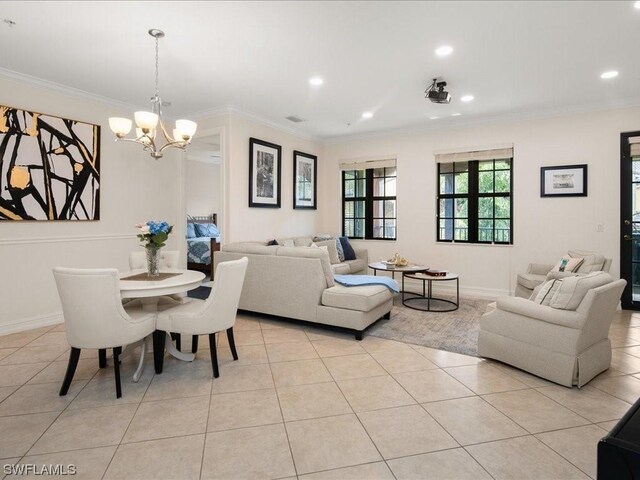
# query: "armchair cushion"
592,262
573,289
530,280
546,292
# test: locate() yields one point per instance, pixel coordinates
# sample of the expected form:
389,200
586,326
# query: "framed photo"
563,181
264,174
49,167
305,187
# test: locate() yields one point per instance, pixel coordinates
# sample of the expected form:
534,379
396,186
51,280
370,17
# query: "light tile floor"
311,403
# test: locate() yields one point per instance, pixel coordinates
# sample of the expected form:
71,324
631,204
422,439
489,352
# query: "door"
630,218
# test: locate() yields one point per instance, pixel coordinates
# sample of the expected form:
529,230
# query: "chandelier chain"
157,67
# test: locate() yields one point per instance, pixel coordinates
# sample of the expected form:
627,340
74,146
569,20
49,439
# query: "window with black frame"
369,209
475,201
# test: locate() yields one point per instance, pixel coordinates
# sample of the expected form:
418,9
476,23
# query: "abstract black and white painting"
304,180
49,167
264,174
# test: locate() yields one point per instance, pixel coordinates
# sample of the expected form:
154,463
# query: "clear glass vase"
153,258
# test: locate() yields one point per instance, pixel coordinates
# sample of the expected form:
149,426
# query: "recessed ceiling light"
609,74
637,5
444,50
316,81
466,98
367,115
433,118
456,114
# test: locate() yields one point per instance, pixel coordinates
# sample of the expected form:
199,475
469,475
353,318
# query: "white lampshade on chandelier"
148,123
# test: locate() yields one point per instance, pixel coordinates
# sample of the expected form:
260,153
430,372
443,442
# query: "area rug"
455,331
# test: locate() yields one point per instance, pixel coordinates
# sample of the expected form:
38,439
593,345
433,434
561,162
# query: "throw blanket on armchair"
357,280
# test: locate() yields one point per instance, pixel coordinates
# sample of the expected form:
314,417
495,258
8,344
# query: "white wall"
263,223
544,228
203,190
133,188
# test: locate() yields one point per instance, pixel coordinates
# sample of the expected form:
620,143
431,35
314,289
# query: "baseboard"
31,323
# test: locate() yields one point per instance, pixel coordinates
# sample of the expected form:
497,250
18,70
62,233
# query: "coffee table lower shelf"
427,293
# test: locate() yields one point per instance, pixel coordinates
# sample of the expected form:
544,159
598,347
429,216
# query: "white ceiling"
517,58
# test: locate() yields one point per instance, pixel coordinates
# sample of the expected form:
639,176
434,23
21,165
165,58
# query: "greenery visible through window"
475,202
369,203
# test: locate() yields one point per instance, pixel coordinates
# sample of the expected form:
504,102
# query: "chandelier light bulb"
186,128
120,126
146,120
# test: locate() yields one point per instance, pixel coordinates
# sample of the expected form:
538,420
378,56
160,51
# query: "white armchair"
566,341
205,317
537,273
95,317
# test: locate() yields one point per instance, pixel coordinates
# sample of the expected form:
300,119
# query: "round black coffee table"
427,292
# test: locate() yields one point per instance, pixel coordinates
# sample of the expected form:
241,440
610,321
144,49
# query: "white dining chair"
205,317
94,317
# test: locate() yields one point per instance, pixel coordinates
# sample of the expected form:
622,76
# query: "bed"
203,241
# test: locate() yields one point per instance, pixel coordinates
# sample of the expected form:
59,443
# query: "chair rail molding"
66,239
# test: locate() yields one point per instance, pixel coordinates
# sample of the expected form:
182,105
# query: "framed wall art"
264,174
305,188
49,167
563,181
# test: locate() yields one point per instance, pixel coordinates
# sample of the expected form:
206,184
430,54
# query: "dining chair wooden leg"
116,368
158,349
74,356
214,355
102,357
194,344
232,343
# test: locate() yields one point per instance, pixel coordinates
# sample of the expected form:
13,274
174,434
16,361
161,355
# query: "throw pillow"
287,243
592,262
323,247
547,291
207,230
568,264
339,249
332,250
349,253
191,230
321,237
573,289
272,242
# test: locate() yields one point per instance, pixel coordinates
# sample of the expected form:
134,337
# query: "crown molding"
490,120
64,89
233,110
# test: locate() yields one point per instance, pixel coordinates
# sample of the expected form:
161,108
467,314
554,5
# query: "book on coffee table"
436,273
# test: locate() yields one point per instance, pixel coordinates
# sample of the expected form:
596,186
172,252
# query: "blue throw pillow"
349,253
340,250
191,230
207,230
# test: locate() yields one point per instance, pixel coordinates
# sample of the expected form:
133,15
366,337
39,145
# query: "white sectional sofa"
297,283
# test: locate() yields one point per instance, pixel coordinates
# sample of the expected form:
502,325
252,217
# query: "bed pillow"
207,230
349,253
191,230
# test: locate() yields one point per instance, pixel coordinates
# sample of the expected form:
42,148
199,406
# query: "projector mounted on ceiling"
436,92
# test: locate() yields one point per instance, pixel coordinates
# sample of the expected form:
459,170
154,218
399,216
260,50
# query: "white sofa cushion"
341,269
308,252
362,298
331,248
573,289
356,265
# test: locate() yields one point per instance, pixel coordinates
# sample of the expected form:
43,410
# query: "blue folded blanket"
357,280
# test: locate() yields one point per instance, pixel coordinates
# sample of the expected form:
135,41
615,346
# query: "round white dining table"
148,292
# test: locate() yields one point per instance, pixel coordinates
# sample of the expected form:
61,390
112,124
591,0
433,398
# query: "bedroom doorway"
203,196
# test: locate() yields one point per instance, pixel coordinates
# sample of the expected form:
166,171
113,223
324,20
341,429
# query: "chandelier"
148,123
